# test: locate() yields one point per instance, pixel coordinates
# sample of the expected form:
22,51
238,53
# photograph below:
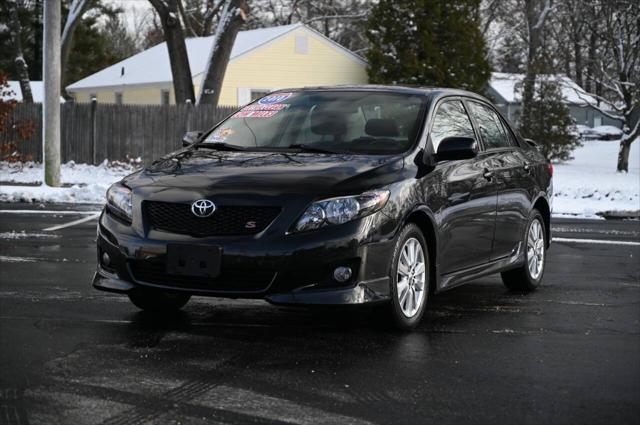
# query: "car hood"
268,173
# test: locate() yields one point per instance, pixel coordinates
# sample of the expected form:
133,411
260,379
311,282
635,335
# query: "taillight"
551,169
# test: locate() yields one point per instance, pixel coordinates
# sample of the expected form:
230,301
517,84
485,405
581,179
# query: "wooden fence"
93,132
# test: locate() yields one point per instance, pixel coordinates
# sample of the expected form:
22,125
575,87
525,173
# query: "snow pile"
88,182
24,235
589,183
582,187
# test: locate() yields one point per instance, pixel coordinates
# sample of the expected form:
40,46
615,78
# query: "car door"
468,195
511,177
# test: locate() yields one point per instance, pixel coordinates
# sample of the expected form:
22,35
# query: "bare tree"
21,65
210,12
234,15
536,14
198,16
340,20
76,10
619,71
178,57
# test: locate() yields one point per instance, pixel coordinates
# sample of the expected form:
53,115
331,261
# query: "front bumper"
282,269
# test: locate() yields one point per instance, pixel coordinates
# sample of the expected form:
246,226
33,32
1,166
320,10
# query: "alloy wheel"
535,249
411,277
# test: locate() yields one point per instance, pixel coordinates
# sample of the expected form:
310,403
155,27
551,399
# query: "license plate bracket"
193,260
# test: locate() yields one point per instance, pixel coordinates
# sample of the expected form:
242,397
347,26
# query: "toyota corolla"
333,195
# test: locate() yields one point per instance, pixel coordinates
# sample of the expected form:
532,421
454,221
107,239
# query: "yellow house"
261,60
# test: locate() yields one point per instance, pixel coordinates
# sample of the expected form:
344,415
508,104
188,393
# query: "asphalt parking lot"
567,354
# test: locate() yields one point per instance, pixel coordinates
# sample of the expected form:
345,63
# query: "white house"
506,92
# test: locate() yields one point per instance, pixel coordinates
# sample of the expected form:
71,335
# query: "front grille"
226,220
154,271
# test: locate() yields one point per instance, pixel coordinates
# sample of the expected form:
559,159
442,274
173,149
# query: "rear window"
366,122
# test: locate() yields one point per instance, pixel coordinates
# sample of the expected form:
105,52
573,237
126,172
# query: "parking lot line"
72,223
52,212
596,241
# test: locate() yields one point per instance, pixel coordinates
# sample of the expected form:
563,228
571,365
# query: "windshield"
366,122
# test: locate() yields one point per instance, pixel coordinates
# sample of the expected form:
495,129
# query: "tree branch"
548,7
76,10
185,19
326,18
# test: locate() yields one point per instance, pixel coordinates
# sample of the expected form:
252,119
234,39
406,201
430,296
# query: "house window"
118,98
164,97
258,93
302,44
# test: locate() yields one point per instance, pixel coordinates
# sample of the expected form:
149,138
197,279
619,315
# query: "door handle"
488,174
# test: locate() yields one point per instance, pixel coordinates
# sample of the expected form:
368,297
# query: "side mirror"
191,137
454,148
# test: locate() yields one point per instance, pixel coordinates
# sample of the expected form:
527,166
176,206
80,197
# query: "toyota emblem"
203,208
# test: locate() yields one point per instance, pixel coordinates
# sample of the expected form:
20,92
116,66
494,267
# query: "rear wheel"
158,301
409,278
527,277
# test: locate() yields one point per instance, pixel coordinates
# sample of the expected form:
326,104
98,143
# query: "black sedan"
333,195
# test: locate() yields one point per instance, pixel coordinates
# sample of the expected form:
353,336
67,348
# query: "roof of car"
434,92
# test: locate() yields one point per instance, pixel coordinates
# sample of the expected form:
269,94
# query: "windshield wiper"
221,146
308,148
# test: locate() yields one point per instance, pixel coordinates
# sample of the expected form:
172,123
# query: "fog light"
106,260
342,274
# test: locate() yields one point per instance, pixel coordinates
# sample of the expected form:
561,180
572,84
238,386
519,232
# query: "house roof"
509,87
152,65
37,91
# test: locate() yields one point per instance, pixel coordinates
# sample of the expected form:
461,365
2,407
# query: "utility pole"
51,104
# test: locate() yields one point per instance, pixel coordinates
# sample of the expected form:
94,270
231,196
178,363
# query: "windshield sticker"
220,135
254,114
271,107
275,98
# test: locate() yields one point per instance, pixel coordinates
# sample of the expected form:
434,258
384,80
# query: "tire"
527,277
408,301
158,301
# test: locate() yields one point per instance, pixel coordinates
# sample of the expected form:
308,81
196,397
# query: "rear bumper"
291,269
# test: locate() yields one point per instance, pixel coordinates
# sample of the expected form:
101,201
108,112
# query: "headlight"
119,200
341,210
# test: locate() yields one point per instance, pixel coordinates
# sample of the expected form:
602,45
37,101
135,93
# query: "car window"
367,122
510,136
451,120
494,135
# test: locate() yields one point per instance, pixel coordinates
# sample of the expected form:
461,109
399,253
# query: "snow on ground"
89,182
583,186
589,183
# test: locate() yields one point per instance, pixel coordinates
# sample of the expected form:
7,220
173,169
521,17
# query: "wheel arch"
541,204
425,220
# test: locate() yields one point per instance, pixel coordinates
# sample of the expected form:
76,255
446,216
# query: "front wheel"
409,278
527,277
158,301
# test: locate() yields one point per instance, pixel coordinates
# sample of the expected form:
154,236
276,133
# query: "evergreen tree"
427,42
30,16
549,123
